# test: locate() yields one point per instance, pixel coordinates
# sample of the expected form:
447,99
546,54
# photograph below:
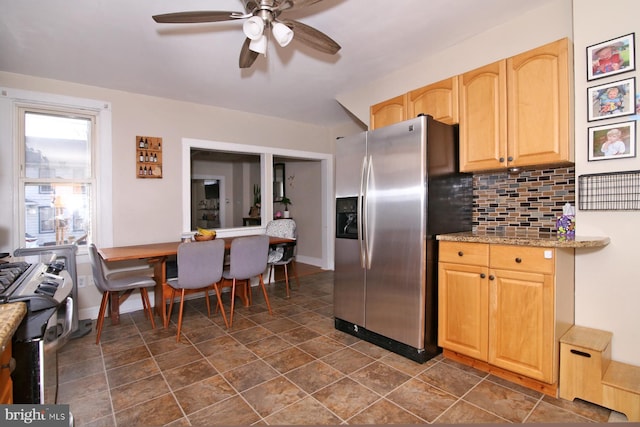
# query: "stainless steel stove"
46,288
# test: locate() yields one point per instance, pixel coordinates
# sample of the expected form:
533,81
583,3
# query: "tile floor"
289,368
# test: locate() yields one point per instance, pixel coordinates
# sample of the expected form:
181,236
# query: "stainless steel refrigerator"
397,187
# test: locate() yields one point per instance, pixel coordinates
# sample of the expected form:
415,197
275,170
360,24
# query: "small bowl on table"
203,237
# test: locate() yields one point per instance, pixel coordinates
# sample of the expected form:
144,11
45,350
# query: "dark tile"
585,409
204,393
132,372
288,359
347,360
449,378
126,357
321,346
422,399
252,374
299,335
346,397
547,413
304,412
185,375
273,395
233,411
506,403
385,412
270,345
182,356
137,392
314,376
465,413
158,411
379,377
249,335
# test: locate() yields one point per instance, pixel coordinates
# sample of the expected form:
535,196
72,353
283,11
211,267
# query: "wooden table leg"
160,276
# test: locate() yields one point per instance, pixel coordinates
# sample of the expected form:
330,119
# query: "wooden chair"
248,259
114,284
200,266
282,254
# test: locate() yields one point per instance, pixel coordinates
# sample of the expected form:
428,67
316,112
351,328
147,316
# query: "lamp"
253,27
259,45
282,33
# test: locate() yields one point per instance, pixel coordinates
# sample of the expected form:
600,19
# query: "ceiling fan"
261,15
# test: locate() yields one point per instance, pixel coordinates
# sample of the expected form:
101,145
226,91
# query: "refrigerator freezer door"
349,275
396,221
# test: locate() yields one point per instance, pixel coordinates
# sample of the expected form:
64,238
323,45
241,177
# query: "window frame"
11,103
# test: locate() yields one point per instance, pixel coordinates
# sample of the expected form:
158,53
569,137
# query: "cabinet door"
483,115
463,295
521,323
538,106
388,112
439,100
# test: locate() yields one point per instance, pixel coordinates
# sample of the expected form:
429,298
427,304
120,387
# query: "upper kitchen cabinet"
439,100
483,117
516,112
388,112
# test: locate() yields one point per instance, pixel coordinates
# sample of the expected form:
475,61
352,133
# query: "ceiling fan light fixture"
253,27
281,33
259,45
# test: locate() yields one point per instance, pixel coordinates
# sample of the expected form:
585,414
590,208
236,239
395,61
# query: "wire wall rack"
613,191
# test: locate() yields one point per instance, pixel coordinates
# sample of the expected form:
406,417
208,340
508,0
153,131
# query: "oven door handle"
61,339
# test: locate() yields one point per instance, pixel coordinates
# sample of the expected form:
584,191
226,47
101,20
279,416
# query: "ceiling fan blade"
312,37
197,17
247,56
295,4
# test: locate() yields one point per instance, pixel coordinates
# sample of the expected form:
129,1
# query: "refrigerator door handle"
362,196
365,231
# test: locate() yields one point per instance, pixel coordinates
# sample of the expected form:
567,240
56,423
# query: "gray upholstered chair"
282,254
200,267
248,259
114,284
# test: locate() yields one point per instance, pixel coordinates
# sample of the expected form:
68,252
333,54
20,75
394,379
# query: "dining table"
156,254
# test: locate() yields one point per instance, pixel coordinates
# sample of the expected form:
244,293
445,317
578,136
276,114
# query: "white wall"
148,211
607,285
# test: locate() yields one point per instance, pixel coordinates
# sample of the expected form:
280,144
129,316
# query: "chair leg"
219,297
180,316
100,321
264,291
166,320
147,306
206,296
286,280
233,299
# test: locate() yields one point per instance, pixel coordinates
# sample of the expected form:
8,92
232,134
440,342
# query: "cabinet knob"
510,159
518,260
460,253
501,159
491,277
482,275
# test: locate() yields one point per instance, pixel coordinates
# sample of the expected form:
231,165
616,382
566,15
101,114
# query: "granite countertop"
541,240
10,317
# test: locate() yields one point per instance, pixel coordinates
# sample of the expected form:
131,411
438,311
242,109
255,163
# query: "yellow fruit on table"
206,232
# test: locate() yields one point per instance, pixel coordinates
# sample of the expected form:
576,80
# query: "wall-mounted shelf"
148,157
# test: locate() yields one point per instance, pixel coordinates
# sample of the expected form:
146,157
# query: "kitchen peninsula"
504,301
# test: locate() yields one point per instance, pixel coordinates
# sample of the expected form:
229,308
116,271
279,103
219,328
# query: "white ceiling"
115,44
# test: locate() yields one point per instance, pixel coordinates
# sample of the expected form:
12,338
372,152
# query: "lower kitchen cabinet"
6,385
506,305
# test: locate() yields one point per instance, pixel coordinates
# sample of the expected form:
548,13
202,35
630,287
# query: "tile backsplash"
526,203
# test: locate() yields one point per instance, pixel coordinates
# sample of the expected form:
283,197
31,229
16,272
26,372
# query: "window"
56,174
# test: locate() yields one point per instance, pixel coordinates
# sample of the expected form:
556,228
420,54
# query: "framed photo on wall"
615,141
611,57
612,99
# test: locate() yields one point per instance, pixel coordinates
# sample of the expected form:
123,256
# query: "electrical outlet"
82,281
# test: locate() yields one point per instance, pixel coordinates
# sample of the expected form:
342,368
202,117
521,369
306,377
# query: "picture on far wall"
612,99
615,141
611,57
